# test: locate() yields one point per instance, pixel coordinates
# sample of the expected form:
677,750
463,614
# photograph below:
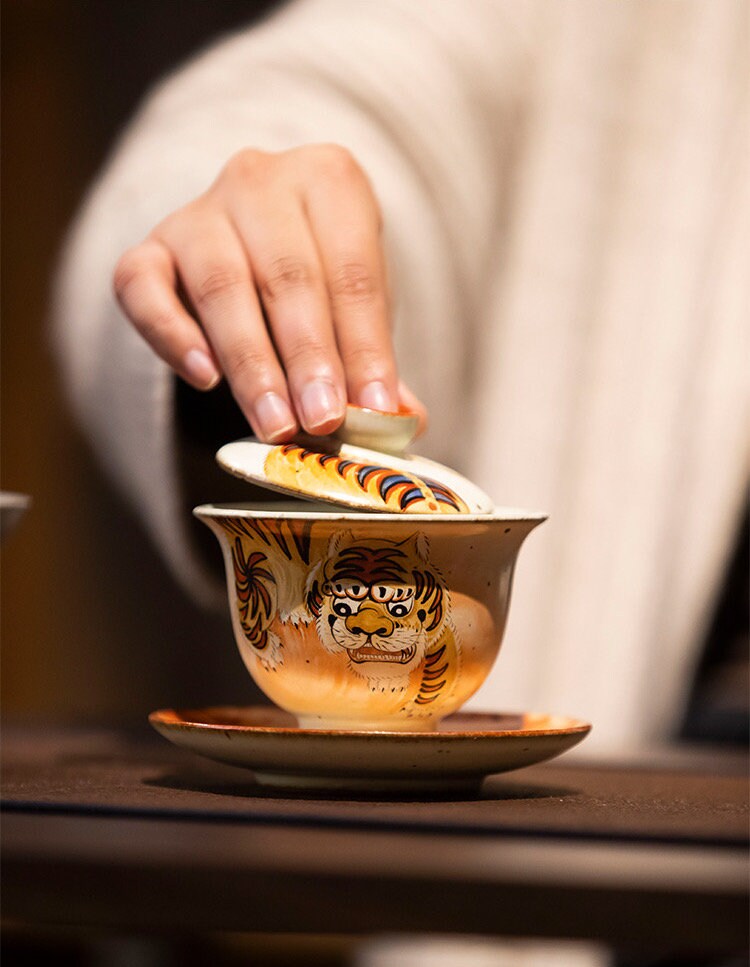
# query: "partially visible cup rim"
9,498
273,509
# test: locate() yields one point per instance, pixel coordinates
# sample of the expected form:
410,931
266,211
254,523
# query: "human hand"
274,278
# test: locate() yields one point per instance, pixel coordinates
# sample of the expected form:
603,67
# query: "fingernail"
273,417
375,396
322,408
200,369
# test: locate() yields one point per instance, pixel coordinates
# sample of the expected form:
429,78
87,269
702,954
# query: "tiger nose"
369,621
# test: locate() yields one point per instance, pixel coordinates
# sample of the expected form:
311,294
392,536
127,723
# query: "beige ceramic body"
367,621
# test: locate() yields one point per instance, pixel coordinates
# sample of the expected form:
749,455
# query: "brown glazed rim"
186,719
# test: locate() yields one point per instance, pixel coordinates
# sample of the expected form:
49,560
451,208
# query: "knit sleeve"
423,94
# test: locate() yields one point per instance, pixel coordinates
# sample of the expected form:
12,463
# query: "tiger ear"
419,546
338,540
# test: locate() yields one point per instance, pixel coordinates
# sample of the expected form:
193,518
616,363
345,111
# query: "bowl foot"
391,724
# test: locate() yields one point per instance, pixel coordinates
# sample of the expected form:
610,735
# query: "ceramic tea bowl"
367,621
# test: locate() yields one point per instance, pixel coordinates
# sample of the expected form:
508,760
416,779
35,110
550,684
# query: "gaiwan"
379,601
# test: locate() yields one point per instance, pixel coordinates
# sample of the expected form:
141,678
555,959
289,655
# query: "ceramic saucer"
465,748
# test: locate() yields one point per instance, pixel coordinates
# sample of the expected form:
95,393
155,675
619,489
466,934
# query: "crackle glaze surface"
363,621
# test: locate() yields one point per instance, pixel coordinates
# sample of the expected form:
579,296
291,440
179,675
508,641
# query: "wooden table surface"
120,830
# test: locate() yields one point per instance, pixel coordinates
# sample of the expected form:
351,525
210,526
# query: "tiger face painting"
366,623
379,604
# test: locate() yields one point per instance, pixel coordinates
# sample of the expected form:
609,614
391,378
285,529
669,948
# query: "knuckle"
353,282
156,328
217,282
174,225
307,353
130,267
336,161
368,361
284,275
246,165
245,361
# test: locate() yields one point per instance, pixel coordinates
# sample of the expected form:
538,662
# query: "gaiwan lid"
362,467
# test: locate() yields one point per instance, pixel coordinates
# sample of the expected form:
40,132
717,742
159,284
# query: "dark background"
73,645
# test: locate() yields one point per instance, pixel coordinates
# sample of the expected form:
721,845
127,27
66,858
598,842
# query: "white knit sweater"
565,189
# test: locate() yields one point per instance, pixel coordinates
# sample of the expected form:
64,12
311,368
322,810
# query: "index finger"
345,222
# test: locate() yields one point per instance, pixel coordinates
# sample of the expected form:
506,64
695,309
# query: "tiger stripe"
253,598
434,677
397,490
297,539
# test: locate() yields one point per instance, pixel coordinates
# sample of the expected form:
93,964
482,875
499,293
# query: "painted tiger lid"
339,471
